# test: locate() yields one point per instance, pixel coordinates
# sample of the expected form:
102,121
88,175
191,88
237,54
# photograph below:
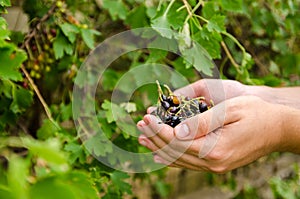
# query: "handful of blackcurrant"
172,109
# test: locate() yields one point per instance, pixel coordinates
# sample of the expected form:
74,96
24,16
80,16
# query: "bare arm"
221,90
289,96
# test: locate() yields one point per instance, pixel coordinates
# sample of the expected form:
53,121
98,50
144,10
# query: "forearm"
289,96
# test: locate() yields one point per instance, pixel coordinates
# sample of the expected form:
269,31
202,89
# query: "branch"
236,65
38,93
26,45
33,32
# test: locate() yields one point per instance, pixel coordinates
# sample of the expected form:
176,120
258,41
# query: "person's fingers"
212,119
211,89
165,135
158,126
180,164
151,109
192,90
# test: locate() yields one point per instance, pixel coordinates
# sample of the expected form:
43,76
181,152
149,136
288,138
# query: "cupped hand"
231,134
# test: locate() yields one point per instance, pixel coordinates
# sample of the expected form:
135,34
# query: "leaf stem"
191,11
169,7
237,66
202,18
235,41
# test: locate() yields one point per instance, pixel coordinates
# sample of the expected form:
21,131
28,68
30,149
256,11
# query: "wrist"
264,92
290,133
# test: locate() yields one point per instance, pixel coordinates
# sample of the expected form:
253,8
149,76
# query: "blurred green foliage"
41,155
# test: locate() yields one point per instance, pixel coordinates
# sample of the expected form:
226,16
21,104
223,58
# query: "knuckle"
202,125
216,155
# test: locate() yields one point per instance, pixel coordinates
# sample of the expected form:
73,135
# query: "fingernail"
147,119
142,140
182,131
141,123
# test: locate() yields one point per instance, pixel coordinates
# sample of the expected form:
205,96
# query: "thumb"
204,123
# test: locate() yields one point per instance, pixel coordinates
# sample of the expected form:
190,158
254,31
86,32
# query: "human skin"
220,90
240,128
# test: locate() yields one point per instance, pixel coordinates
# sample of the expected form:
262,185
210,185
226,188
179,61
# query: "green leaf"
5,3
216,23
113,111
199,58
162,25
6,87
76,152
98,145
109,79
129,107
210,41
70,31
22,99
280,46
4,32
210,9
74,185
11,60
137,17
88,37
156,55
233,5
18,170
118,178
6,193
164,22
47,130
117,9
61,45
49,150
162,188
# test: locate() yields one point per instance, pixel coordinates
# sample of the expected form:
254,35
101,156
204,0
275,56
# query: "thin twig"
236,65
187,5
26,45
38,93
33,32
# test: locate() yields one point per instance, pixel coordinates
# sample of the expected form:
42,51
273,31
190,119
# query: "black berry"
165,104
203,107
163,97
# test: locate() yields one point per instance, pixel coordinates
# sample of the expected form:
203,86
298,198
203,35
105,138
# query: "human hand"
230,135
220,90
213,89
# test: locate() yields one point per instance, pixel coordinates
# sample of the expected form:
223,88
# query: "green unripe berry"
48,69
37,75
32,73
36,67
59,4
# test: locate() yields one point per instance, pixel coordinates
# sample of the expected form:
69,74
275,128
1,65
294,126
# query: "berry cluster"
171,105
174,109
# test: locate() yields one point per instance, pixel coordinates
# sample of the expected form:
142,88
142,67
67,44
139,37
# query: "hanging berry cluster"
174,109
